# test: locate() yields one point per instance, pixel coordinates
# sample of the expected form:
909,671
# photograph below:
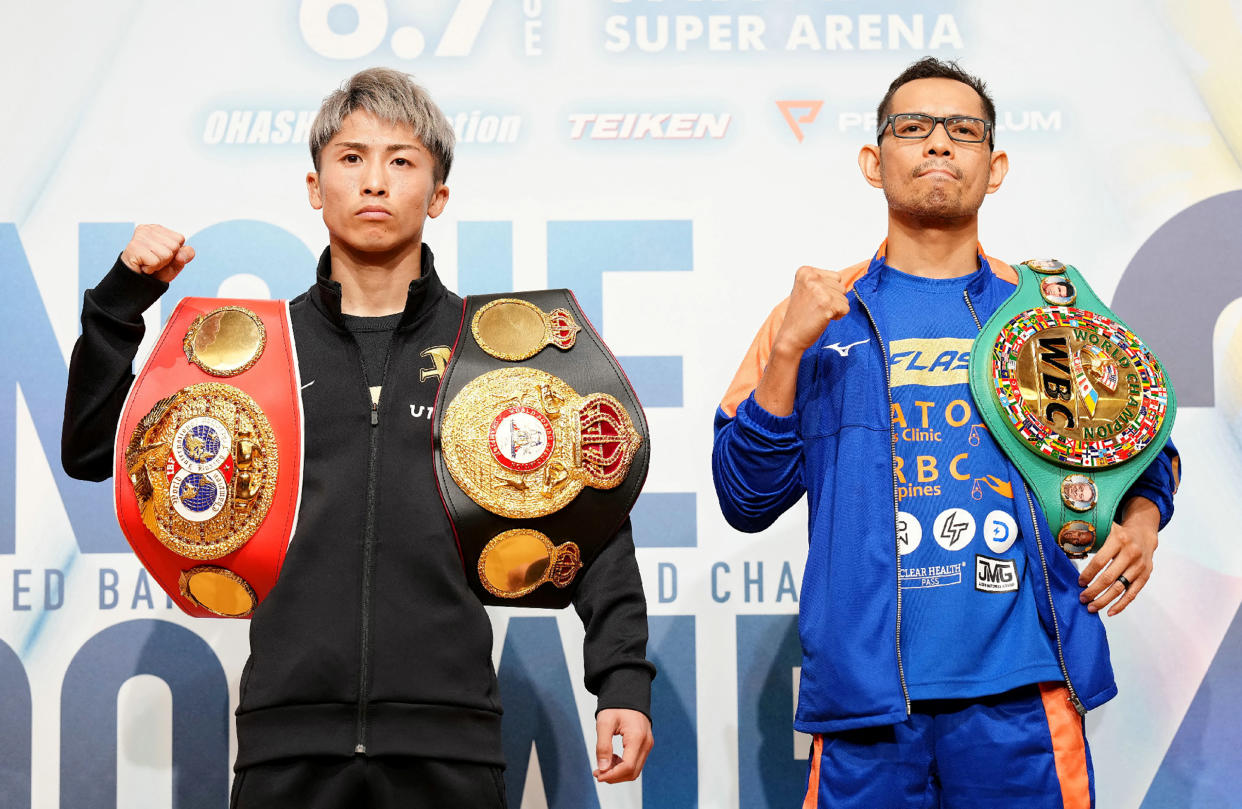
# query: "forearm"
1157,485
778,387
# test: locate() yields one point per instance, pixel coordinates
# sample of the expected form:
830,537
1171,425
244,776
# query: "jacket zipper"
368,545
888,389
1043,562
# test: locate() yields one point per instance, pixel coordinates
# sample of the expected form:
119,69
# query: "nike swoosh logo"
843,350
308,384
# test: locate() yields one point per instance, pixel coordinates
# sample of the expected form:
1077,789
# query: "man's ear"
439,198
997,170
869,164
312,190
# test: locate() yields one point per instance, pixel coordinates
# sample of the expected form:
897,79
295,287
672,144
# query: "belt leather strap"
541,446
1073,397
208,454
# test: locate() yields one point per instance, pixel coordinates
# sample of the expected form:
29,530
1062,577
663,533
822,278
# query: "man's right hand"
156,250
818,298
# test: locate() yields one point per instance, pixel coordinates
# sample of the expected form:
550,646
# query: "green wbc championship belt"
1073,397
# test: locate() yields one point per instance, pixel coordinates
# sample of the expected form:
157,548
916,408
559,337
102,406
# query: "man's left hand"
1126,554
634,728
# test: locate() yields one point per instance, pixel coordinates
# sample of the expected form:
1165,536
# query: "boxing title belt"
207,463
1073,397
541,446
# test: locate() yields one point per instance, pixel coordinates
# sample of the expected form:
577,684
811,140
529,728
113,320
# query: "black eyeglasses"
917,125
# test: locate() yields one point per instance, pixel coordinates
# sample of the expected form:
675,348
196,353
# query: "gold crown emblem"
522,443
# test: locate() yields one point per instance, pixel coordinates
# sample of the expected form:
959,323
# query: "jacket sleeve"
100,369
756,456
613,608
756,465
1158,483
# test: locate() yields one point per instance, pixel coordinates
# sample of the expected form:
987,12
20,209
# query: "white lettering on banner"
648,125
353,29
532,30
651,33
477,127
1009,121
277,127
873,32
722,33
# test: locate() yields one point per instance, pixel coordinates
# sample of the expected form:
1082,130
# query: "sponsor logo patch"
996,575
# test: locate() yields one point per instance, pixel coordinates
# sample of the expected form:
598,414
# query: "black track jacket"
370,642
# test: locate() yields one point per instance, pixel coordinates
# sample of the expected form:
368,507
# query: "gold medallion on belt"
522,443
203,465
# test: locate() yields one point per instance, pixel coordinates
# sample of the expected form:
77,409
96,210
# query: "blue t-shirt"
969,626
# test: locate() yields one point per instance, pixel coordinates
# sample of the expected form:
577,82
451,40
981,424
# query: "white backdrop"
712,141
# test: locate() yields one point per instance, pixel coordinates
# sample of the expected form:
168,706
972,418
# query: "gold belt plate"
203,465
522,443
513,329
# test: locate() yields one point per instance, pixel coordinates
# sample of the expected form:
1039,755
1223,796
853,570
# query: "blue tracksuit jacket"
837,448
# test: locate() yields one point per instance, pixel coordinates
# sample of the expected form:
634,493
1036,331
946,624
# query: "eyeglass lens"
960,128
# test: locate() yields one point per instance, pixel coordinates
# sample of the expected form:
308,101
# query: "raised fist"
156,250
817,299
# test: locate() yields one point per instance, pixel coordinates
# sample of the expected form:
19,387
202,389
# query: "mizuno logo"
843,350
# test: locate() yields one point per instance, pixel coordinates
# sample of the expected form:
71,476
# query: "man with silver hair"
370,677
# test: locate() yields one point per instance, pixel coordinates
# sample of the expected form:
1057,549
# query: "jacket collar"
869,278
424,290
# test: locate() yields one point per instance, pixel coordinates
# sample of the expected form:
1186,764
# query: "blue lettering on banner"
540,709
579,253
34,363
671,775
666,581
108,595
484,257
19,588
200,703
767,653
665,520
755,581
15,718
718,596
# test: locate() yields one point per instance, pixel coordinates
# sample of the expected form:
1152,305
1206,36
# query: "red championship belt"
208,455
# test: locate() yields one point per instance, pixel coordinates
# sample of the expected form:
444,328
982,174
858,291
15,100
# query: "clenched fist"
156,250
817,299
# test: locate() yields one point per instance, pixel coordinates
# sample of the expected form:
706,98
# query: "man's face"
936,177
1056,289
1079,492
376,186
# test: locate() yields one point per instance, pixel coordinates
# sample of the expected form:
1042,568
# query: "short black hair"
929,67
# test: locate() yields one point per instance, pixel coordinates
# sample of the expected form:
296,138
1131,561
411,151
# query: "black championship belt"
541,446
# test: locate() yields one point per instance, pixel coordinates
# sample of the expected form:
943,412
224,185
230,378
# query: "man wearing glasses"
951,666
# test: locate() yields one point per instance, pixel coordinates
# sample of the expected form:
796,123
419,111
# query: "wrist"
786,350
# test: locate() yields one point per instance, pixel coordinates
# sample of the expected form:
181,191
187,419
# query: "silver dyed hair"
391,96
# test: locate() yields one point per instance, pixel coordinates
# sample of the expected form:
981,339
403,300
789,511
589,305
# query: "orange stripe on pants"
1069,748
812,784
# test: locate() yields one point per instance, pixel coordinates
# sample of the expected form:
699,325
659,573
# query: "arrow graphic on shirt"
952,531
843,350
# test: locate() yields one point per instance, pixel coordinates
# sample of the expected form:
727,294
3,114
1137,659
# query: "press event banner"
674,162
